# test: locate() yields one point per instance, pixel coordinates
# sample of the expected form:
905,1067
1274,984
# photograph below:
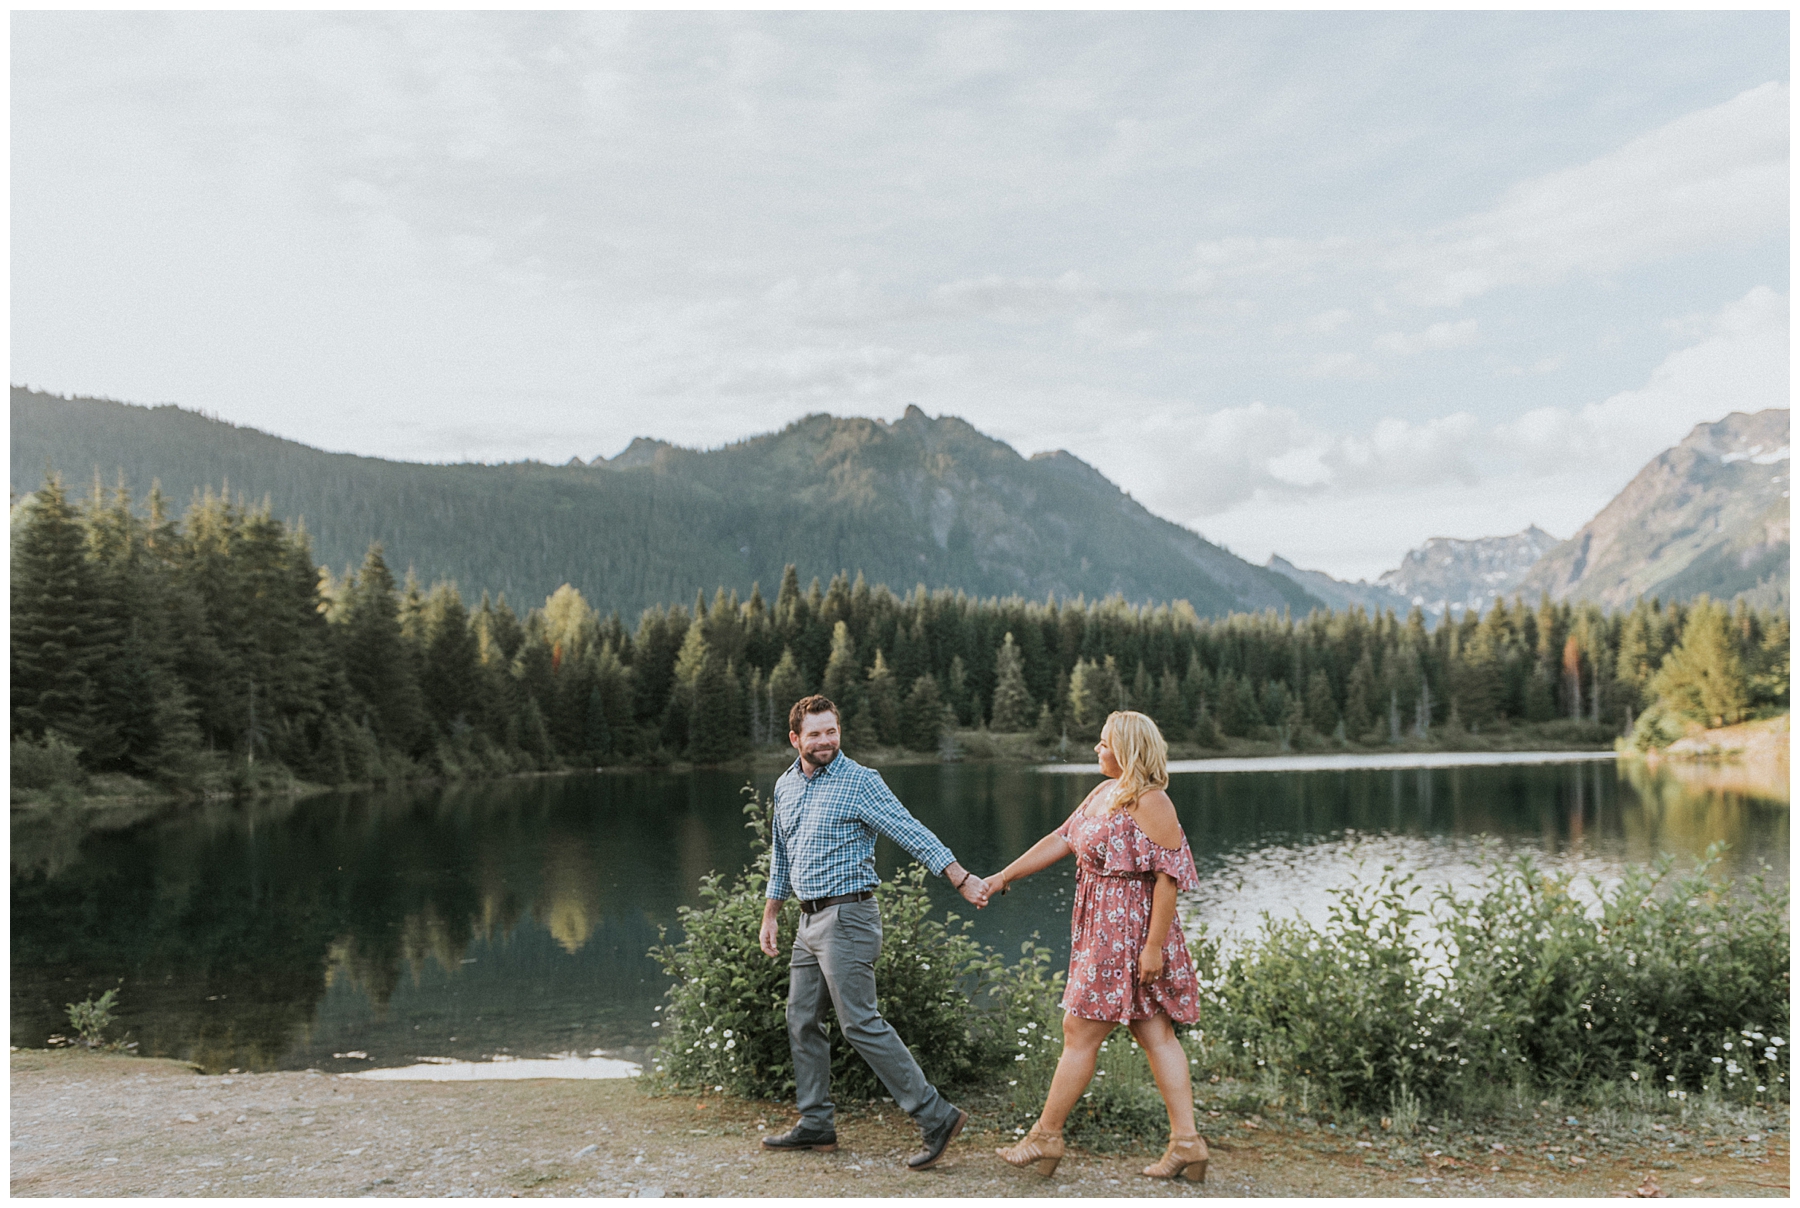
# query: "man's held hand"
973,889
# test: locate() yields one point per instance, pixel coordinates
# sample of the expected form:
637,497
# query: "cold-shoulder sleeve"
1129,850
1066,830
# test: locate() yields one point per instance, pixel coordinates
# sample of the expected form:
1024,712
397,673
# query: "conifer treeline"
166,650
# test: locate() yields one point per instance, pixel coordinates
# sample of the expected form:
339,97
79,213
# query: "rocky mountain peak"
1466,573
1708,515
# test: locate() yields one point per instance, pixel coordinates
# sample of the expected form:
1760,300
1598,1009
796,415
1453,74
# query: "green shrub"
724,1025
1655,729
92,1016
48,763
1394,1001
1653,984
1349,1006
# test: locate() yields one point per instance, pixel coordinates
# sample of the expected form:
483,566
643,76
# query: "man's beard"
822,758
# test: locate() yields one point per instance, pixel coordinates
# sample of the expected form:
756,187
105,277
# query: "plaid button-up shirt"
824,828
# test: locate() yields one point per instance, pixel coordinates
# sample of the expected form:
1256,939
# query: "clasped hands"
974,890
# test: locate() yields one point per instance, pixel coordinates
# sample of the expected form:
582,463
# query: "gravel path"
93,1125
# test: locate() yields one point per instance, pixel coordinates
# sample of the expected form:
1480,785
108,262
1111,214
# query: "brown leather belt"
815,905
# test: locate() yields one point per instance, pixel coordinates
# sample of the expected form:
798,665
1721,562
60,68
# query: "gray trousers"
834,962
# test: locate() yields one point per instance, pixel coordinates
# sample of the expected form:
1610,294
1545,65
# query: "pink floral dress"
1116,867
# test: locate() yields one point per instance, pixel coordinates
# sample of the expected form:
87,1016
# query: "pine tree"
785,687
1141,696
911,646
1321,708
1234,718
843,682
1633,665
1205,729
756,692
1087,700
143,703
1012,701
612,684
1703,680
1243,705
534,736
883,702
498,632
966,709
377,662
1768,666
1169,709
1194,693
922,715
56,644
450,663
1359,698
1477,678
715,724
678,716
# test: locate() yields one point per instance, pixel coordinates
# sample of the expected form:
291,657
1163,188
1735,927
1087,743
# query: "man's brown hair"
808,705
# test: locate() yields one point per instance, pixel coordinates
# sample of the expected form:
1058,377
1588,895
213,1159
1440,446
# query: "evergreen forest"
211,650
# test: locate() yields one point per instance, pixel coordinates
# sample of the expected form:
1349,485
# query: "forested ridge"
213,649
919,500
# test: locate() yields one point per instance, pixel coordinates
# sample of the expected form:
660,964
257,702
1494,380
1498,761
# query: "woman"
1128,961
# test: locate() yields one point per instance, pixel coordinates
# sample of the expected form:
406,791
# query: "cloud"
1740,365
1716,176
1349,366
1266,478
1198,465
1328,321
1712,178
1019,298
1434,338
815,377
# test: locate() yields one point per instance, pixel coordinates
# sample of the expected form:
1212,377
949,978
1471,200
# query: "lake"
356,930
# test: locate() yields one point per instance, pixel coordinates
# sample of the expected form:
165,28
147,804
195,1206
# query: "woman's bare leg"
1074,1069
1169,1066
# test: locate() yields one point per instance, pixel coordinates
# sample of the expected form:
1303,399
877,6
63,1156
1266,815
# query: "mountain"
1337,594
1709,515
1462,574
918,500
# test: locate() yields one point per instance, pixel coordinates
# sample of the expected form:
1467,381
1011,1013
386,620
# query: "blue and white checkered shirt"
824,831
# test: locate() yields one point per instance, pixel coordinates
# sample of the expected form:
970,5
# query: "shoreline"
1374,761
980,746
87,1124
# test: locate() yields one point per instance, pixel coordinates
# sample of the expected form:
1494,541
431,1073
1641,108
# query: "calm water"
515,918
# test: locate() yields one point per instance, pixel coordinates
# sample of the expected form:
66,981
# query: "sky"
1317,284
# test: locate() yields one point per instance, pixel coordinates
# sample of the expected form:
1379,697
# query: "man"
827,811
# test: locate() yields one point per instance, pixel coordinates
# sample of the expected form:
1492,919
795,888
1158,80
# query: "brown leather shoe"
802,1137
937,1141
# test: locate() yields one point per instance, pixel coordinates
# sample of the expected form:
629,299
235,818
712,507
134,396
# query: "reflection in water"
569,905
515,918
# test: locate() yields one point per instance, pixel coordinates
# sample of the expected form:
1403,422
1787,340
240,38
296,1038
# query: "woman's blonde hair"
1142,754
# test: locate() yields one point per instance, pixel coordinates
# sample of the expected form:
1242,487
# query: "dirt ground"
95,1125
